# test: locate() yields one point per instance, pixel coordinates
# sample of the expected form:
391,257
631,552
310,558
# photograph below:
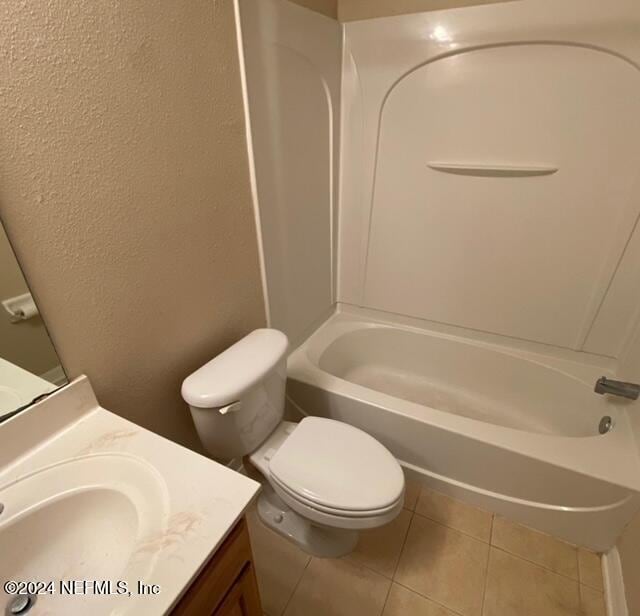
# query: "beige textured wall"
124,185
326,7
25,343
350,10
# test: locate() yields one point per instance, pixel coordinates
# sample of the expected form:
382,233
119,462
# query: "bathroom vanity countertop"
193,501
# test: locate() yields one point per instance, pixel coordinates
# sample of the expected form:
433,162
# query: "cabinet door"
243,598
227,584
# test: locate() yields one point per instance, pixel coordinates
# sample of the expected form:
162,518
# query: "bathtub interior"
467,379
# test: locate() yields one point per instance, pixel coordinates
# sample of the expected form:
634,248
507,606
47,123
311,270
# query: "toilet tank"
237,399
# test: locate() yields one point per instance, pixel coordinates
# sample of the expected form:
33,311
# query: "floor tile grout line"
533,562
594,588
577,555
579,567
441,523
348,562
576,549
493,515
349,557
600,590
357,563
545,534
486,569
455,500
580,601
415,592
384,605
581,596
404,542
295,587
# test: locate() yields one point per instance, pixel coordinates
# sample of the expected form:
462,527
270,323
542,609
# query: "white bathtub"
505,428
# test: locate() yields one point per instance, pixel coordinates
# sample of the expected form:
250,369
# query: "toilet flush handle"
230,408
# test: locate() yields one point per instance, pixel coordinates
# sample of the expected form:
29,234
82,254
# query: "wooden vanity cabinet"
227,585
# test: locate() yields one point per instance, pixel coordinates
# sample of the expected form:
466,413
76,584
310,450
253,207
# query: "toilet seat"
332,473
347,513
338,520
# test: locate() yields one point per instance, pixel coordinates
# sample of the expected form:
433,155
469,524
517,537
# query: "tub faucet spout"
617,388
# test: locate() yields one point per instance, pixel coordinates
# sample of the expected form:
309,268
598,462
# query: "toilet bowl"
324,480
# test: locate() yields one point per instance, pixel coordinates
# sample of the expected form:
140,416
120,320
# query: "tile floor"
439,557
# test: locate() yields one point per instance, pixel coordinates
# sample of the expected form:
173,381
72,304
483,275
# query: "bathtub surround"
629,370
487,224
325,7
629,543
124,185
350,10
292,60
579,293
628,546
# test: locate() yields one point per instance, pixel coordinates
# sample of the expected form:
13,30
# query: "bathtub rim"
348,329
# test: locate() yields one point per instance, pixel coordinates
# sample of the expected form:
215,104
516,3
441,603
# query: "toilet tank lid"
229,375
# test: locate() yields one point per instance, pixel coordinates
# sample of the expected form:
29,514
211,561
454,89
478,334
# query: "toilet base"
319,541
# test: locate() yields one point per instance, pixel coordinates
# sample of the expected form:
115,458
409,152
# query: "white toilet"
325,480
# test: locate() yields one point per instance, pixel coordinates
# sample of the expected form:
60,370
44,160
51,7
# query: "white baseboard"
614,584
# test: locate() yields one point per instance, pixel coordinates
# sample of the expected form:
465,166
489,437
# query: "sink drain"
21,604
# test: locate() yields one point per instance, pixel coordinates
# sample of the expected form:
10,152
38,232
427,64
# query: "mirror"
29,365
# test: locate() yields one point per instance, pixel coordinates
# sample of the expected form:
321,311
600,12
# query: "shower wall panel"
489,170
292,60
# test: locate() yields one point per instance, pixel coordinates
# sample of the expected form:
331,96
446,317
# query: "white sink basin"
91,518
90,496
